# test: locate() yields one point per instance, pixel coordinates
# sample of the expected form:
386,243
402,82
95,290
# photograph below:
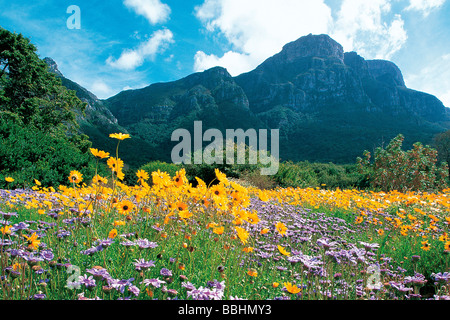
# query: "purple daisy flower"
166,272
143,265
154,282
88,282
145,244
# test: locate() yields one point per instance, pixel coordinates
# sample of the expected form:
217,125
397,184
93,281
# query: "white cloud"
101,89
153,10
234,62
131,59
257,29
433,79
424,6
361,26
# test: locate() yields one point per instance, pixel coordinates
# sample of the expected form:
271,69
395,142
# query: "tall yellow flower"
119,136
115,164
9,179
99,153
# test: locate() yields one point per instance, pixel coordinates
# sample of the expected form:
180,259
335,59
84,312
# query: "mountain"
98,122
329,105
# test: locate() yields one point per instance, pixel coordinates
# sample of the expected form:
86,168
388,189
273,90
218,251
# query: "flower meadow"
165,239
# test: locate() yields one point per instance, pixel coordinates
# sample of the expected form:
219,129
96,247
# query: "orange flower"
181,206
112,234
75,176
119,223
218,230
447,246
425,245
115,164
6,229
125,207
292,288
252,272
180,178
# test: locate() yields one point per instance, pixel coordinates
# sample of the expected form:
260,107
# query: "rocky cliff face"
313,74
96,113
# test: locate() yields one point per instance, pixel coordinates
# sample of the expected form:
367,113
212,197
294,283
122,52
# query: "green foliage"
38,128
305,174
27,154
169,168
442,144
395,169
29,90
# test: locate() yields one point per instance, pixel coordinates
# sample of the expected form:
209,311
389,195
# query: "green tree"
395,169
442,145
38,128
30,91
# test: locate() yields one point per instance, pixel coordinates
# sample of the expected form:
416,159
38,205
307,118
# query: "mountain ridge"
329,105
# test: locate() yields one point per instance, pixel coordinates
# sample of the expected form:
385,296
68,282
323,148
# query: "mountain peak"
322,46
53,66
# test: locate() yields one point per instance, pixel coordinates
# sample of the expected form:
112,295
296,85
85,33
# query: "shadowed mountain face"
327,104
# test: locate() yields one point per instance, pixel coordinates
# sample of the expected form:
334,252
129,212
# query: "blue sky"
123,44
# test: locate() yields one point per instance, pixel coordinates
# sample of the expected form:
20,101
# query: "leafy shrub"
395,169
170,168
27,154
305,174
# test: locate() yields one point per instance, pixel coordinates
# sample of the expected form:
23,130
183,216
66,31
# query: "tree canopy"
38,127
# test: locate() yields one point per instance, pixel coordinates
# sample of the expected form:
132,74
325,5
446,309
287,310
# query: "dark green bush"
27,153
305,174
